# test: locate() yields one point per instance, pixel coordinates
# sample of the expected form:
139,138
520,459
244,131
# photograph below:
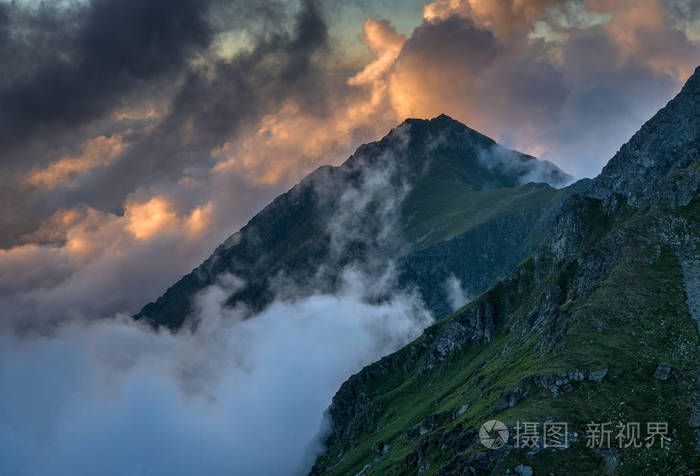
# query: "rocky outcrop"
668,142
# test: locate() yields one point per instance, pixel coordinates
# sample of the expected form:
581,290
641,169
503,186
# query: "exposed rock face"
522,470
669,142
597,375
395,198
662,372
691,281
608,291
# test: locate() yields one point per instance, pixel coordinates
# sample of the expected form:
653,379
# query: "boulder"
597,375
663,371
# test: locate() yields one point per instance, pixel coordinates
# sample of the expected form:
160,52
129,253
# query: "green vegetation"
629,321
442,208
452,191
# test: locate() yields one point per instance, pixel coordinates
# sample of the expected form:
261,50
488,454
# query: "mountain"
443,201
599,324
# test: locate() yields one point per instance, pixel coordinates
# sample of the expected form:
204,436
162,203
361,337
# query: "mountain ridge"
576,333
438,161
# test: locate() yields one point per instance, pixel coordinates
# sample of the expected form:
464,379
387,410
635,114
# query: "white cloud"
457,296
235,397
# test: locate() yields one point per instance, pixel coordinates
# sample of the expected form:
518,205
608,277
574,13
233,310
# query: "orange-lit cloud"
97,152
292,141
84,263
506,18
442,9
158,215
644,30
141,113
200,219
385,43
568,81
149,218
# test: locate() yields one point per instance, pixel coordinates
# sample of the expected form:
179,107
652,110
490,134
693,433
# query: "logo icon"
493,434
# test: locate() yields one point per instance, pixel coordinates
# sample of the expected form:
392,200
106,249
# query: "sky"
137,136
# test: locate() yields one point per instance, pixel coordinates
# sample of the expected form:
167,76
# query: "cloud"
87,264
236,397
457,296
70,63
385,43
567,81
508,19
98,152
179,96
524,167
149,218
229,393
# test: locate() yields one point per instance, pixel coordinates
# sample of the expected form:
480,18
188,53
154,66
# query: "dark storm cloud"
478,47
211,102
606,101
75,65
64,66
215,102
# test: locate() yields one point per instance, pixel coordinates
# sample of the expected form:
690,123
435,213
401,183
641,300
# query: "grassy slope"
443,208
446,203
629,322
290,236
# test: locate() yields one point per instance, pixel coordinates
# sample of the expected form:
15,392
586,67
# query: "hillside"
599,324
435,198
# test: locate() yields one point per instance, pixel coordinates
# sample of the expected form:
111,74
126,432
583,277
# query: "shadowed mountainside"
437,199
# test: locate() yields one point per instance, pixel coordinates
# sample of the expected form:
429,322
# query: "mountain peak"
445,145
444,119
603,276
443,123
432,180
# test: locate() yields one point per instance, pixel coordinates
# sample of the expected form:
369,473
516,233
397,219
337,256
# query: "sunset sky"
136,136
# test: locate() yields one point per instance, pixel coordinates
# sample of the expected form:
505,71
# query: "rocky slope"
435,198
598,325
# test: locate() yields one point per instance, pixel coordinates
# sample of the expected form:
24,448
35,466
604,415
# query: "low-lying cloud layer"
231,392
235,397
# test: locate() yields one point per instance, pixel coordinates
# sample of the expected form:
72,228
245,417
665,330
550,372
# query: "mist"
234,397
230,392
456,295
504,160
